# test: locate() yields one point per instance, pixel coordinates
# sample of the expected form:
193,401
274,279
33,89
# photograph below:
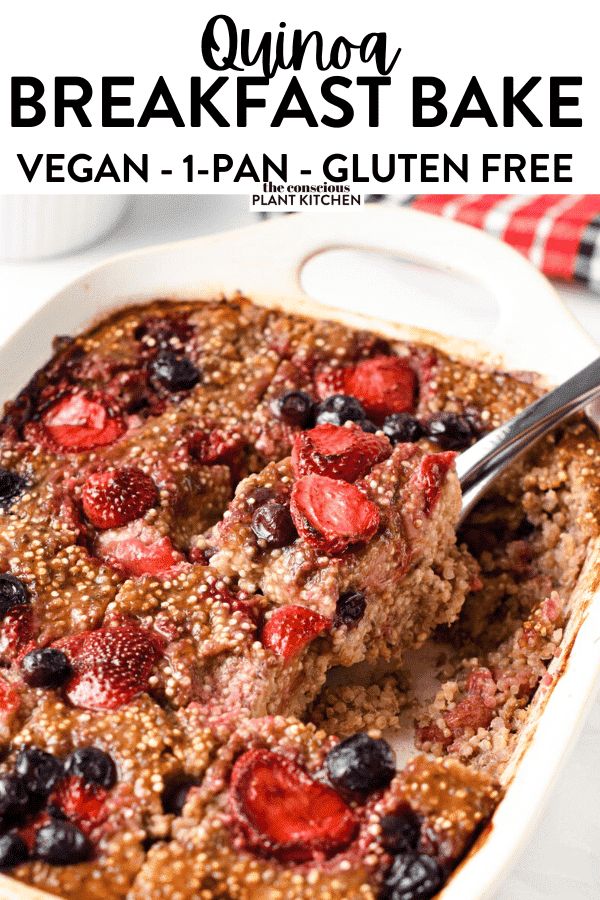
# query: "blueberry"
175,794
272,523
45,668
400,831
412,876
13,850
294,408
338,409
93,765
14,798
349,609
402,428
450,431
361,763
11,486
39,770
176,373
61,843
12,593
367,426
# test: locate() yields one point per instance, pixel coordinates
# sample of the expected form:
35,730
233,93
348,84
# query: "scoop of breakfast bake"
285,811
354,531
218,660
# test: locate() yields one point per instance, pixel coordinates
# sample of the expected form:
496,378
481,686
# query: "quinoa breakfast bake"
208,511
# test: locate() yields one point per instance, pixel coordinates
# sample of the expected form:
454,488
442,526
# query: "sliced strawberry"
330,515
82,421
111,665
329,381
430,477
138,549
16,633
282,812
291,628
384,385
118,496
84,804
340,452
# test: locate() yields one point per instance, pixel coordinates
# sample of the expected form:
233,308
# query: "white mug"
41,225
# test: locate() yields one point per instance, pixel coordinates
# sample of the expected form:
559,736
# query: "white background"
562,860
452,40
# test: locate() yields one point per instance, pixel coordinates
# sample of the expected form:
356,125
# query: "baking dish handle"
269,259
535,330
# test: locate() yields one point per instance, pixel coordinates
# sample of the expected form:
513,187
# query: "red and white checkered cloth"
558,233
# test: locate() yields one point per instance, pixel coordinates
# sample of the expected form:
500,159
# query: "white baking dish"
535,332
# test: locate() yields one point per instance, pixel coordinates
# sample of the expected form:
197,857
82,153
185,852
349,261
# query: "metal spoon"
480,465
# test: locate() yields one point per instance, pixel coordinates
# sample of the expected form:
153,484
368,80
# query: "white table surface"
562,860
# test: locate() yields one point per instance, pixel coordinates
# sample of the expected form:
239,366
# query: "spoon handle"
478,466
